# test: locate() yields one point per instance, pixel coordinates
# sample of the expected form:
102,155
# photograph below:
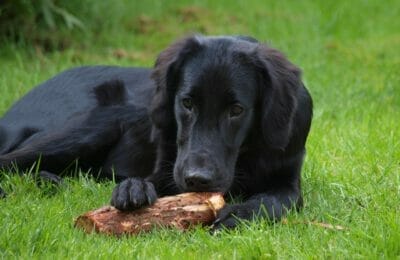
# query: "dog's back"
51,104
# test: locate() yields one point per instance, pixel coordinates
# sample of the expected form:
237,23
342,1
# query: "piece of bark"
181,211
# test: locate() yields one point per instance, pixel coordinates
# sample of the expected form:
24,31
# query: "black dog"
215,114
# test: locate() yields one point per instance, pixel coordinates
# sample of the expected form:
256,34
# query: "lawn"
349,52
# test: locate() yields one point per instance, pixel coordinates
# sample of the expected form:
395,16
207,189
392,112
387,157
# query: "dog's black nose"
198,180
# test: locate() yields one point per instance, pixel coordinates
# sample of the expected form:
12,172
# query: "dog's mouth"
183,187
212,189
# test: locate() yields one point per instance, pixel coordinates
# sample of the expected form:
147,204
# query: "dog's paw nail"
218,220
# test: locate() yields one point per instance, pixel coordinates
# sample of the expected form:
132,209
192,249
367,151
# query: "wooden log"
181,211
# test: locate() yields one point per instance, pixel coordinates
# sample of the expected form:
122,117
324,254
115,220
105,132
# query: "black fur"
215,114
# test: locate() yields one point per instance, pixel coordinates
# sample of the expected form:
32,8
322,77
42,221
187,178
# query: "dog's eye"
187,103
236,110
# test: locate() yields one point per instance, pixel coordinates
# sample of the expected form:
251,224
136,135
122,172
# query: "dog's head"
213,92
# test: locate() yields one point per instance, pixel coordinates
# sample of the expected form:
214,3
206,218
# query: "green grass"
350,55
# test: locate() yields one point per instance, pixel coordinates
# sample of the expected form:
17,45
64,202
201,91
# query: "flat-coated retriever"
222,114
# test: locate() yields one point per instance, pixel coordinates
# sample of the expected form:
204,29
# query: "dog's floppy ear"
166,76
280,80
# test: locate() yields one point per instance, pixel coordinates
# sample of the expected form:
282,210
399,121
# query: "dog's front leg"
272,206
137,192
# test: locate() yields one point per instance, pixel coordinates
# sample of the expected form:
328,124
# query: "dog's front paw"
133,193
231,215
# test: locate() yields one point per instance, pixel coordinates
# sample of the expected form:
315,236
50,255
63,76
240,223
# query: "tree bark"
182,211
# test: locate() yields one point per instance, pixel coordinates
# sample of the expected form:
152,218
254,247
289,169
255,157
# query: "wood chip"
182,212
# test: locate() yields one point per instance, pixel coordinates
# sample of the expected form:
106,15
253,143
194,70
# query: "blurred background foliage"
42,22
58,24
53,25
